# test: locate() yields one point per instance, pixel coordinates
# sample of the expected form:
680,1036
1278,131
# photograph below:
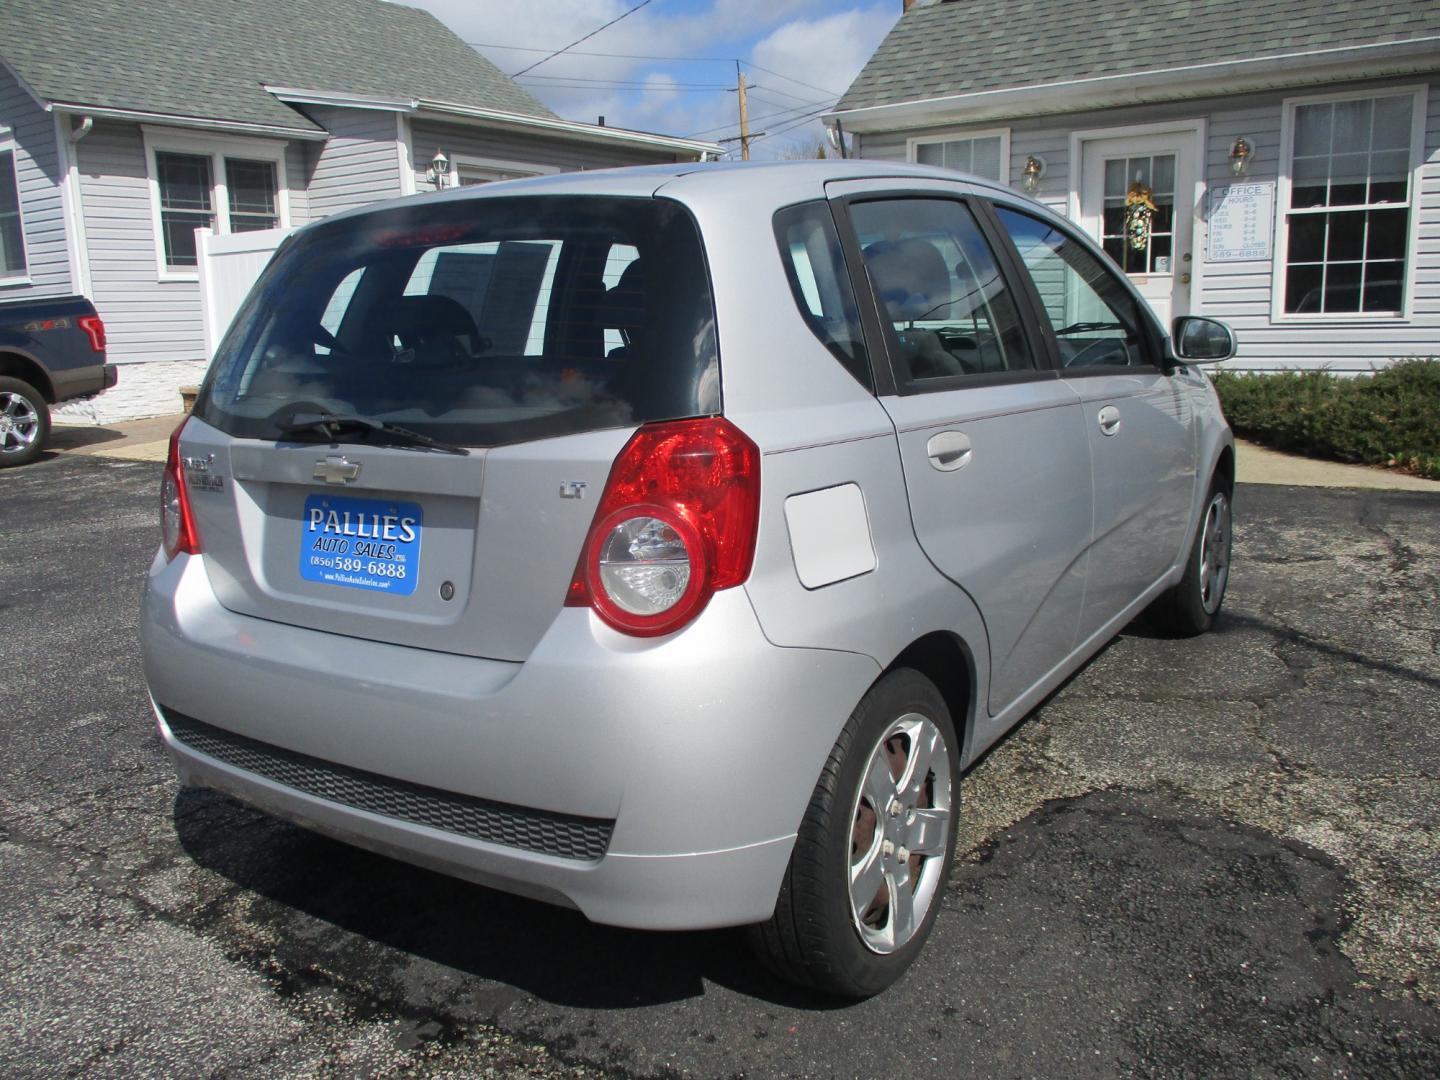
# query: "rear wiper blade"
333,425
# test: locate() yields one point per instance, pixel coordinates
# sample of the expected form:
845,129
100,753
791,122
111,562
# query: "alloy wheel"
899,833
1215,553
19,423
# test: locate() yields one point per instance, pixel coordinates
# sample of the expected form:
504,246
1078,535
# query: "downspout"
81,270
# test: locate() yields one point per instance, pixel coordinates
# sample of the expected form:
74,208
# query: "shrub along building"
1274,163
125,128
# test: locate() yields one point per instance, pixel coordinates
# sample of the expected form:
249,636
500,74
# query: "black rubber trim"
540,831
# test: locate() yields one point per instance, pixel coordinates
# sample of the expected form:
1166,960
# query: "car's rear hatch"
416,410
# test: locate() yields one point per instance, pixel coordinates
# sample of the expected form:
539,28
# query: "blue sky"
671,65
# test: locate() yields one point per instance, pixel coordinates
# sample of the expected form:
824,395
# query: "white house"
1274,163
124,127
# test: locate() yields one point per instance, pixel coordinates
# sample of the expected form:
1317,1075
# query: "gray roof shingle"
210,58
965,46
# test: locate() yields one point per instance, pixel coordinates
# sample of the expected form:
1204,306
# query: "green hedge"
1390,418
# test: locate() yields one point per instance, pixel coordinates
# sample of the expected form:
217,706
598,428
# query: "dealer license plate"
361,543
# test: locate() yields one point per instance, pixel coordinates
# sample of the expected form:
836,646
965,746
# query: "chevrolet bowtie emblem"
336,470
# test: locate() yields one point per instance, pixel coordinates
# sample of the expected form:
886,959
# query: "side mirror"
1202,341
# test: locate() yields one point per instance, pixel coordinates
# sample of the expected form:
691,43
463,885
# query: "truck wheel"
873,853
24,422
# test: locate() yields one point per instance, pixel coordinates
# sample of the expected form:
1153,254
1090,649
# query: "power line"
798,122
792,97
787,78
610,55
756,119
636,89
587,37
632,84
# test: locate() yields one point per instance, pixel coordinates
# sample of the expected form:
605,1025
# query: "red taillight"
94,327
177,524
676,523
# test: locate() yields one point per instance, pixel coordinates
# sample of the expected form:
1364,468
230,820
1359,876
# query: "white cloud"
804,39
821,56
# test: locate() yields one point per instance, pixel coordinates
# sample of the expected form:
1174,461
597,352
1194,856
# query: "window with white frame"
12,236
1348,211
224,186
467,170
982,154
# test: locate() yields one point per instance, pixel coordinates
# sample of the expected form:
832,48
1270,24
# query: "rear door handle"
1109,420
949,450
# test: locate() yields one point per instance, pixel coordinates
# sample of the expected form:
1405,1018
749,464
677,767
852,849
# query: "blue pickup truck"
50,351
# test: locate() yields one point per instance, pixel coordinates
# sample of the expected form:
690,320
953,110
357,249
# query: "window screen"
12,237
1348,221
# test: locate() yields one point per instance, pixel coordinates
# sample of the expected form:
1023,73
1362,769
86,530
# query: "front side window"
12,237
484,322
1097,321
980,156
937,281
1347,221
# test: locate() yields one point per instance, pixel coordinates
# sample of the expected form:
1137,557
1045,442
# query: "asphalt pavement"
1217,857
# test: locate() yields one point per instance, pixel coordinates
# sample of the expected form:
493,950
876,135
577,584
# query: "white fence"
229,265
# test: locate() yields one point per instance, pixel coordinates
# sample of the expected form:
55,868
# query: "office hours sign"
1242,221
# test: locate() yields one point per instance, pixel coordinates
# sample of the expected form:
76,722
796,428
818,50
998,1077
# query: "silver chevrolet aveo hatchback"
665,542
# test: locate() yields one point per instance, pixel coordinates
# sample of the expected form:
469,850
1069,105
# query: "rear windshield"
477,321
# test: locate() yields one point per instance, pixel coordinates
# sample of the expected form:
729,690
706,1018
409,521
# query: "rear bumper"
698,752
80,382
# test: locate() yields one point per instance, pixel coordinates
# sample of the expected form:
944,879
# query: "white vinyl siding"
29,133
1241,292
513,150
357,165
146,318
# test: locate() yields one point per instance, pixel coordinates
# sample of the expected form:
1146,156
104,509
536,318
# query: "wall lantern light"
1033,170
1240,153
439,171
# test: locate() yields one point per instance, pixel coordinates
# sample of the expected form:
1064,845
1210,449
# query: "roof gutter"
1224,77
493,117
203,123
556,126
296,96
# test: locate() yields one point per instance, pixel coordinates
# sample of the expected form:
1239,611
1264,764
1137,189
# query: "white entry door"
1162,165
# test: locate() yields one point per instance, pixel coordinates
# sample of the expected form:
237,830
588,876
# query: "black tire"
24,422
815,937
1191,607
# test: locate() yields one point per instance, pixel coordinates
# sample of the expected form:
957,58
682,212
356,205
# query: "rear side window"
478,322
810,249
937,281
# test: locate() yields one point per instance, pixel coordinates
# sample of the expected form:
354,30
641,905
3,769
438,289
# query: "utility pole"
744,117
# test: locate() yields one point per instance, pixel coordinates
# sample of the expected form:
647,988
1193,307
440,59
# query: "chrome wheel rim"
899,833
19,423
1215,553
